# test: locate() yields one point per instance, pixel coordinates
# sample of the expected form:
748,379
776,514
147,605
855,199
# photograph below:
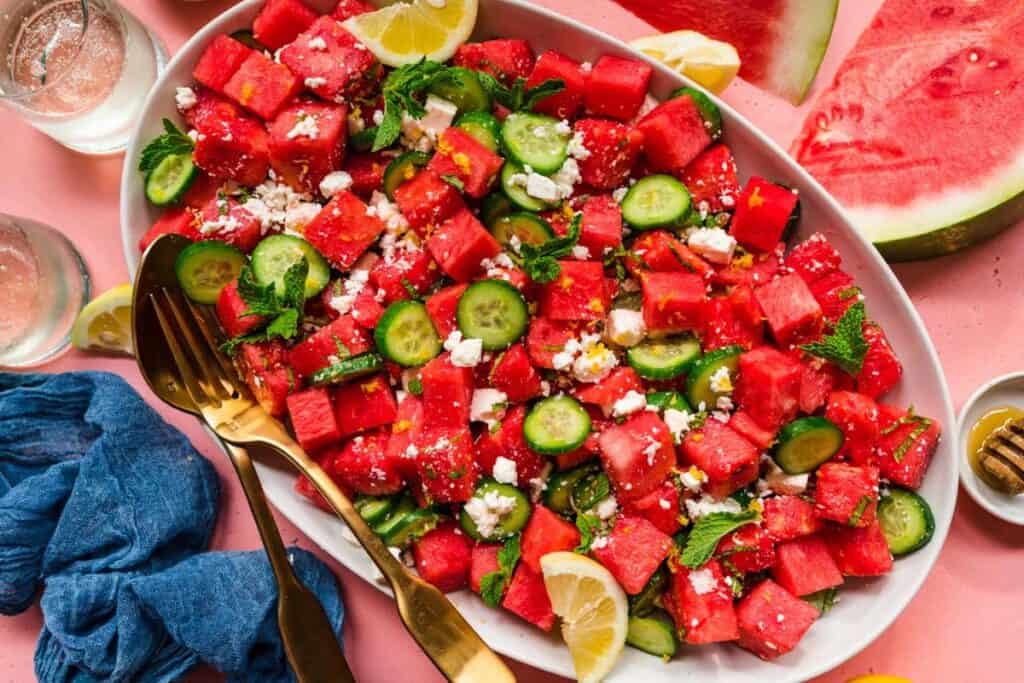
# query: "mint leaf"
823,600
708,531
493,584
173,141
282,311
285,325
294,295
519,97
540,262
400,92
261,299
588,525
846,346
537,93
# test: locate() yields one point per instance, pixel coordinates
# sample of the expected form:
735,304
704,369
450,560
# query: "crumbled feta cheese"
599,542
607,508
452,340
714,244
778,481
693,479
488,510
185,98
706,504
300,215
721,382
566,178
305,126
586,67
342,301
679,422
488,405
545,387
664,504
386,210
317,43
632,402
541,187
224,223
703,581
580,253
504,471
314,82
467,353
577,149
619,193
563,127
651,450
334,182
595,360
194,135
624,327
439,116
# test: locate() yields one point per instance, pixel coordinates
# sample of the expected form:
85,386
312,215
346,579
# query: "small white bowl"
1007,390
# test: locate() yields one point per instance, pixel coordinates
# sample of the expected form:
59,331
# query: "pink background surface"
965,624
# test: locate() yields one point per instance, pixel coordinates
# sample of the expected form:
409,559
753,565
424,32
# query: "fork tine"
196,393
213,344
209,372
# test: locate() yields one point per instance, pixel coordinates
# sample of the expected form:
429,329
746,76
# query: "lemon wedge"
711,63
405,32
593,609
105,324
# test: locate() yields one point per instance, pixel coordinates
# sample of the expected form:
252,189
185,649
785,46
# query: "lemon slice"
105,324
711,63
406,32
594,612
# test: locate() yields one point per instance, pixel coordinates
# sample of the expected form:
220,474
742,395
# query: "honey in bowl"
995,449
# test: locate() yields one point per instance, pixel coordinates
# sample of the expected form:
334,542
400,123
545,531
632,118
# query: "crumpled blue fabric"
107,509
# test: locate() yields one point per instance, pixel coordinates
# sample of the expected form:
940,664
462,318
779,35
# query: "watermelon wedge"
781,42
921,136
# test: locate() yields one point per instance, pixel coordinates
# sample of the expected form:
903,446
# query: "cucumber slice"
272,258
654,634
649,597
403,507
510,522
410,527
494,206
656,201
204,268
482,126
406,335
558,492
664,400
556,425
373,509
170,180
401,169
528,227
806,443
589,491
363,140
664,358
535,140
517,193
493,311
708,109
906,520
348,369
468,94
698,382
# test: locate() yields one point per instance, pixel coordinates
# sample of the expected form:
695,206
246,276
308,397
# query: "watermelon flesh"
781,42
899,136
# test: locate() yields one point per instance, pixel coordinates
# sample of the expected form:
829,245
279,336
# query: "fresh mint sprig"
846,345
400,92
540,262
282,310
493,584
519,97
708,531
171,142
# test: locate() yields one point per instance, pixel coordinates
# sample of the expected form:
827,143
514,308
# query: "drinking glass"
43,286
78,70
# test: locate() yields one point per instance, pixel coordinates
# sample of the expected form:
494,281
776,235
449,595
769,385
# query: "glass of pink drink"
78,70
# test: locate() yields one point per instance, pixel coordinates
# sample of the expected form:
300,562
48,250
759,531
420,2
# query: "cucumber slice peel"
556,425
494,312
406,335
654,634
527,227
402,168
274,255
698,381
664,358
656,201
558,492
536,141
510,522
906,520
204,268
348,369
806,443
168,182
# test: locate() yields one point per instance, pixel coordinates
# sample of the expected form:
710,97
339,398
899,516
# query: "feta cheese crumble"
721,382
703,581
305,126
504,471
317,43
314,82
577,149
185,98
595,361
714,244
465,353
625,328
488,510
632,402
679,422
488,406
607,508
706,504
335,182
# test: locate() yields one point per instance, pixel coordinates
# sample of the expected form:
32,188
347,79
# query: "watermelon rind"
799,53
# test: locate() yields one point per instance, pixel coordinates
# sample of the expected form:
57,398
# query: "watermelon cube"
674,134
364,465
444,557
547,337
847,494
426,200
304,487
857,416
818,380
749,549
835,293
447,393
281,21
726,320
617,87
906,445
461,155
772,621
612,150
762,268
350,8
513,374
342,338
220,61
637,455
224,219
789,517
578,293
330,63
793,314
234,148
367,171
804,566
660,507
231,310
508,442
711,179
673,302
605,393
661,252
702,602
744,425
307,141
633,551
762,214
404,431
601,227
444,464
729,461
313,421
460,244
881,370
814,258
553,65
527,597
264,366
768,387
441,308
343,230
262,86
408,269
483,561
506,59
859,551
364,404
546,532
177,221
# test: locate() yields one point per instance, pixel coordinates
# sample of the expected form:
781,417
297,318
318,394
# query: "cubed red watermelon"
906,445
660,507
268,375
637,455
426,200
545,533
441,308
505,59
224,219
578,293
703,604
762,214
768,387
749,549
444,557
445,467
343,230
789,517
674,134
483,561
814,258
513,374
508,442
235,148
749,429
364,404
660,251
220,61
632,552
279,22
262,86
835,293
339,69
547,337
367,171
307,141
460,244
408,269
447,393
364,465
673,302
616,385
612,150
881,370
350,8
553,65
859,551
729,460
177,221
343,337
461,155
772,621
231,310
793,314
527,597
847,494
804,566
857,416
312,417
616,87
711,179
601,227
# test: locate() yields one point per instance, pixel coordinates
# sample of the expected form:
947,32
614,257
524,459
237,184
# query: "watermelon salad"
514,305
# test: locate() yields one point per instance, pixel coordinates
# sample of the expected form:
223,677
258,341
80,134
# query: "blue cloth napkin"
108,509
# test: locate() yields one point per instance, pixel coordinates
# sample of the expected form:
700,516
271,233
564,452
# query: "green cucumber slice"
403,507
709,111
482,126
654,634
493,311
348,369
468,94
535,140
665,400
528,228
664,358
509,523
272,258
558,492
906,520
649,597
517,193
410,527
805,443
363,140
373,509
698,382
494,206
406,335
589,491
402,169
656,201
204,268
556,425
169,181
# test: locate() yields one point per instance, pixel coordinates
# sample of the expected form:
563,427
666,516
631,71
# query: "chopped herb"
455,181
923,424
415,386
282,311
588,525
493,584
846,346
858,512
823,600
400,92
540,262
708,531
172,142
519,97
410,289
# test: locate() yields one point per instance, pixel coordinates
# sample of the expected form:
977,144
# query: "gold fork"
229,409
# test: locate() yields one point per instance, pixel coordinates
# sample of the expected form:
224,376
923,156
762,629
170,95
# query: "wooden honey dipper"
1002,456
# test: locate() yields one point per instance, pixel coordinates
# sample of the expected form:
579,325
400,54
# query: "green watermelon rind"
808,43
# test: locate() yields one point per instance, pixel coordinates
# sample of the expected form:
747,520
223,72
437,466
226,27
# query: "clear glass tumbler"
43,286
78,70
